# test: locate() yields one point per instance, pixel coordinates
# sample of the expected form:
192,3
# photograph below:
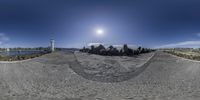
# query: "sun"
99,31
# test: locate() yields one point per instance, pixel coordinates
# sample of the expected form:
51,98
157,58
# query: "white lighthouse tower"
52,45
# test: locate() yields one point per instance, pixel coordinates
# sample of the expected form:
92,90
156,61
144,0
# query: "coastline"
20,61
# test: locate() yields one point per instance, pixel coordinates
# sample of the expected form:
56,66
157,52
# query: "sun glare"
99,31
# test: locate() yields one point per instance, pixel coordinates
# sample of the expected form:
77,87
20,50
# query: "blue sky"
72,23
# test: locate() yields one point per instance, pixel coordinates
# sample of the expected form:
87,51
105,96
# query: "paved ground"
109,68
58,76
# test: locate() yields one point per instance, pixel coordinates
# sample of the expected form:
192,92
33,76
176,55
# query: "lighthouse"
52,45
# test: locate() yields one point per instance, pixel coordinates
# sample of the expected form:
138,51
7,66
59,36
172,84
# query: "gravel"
59,76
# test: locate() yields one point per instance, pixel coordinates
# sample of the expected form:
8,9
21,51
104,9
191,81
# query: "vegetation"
21,57
36,48
188,53
112,51
19,48
44,50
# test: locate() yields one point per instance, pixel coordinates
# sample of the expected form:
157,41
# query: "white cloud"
94,44
129,45
3,39
184,44
198,34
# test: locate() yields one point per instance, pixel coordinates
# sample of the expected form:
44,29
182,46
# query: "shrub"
111,51
21,57
187,56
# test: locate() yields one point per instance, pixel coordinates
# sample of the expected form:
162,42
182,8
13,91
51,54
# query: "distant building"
52,45
7,49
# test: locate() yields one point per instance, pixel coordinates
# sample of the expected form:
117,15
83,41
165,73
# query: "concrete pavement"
57,77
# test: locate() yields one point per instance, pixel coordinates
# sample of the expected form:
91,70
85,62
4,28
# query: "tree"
92,50
139,49
127,51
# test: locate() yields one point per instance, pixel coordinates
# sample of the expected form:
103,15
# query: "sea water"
20,52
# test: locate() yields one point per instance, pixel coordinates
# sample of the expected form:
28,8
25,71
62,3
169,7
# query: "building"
52,45
7,49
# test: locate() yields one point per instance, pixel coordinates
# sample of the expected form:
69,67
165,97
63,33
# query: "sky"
74,23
